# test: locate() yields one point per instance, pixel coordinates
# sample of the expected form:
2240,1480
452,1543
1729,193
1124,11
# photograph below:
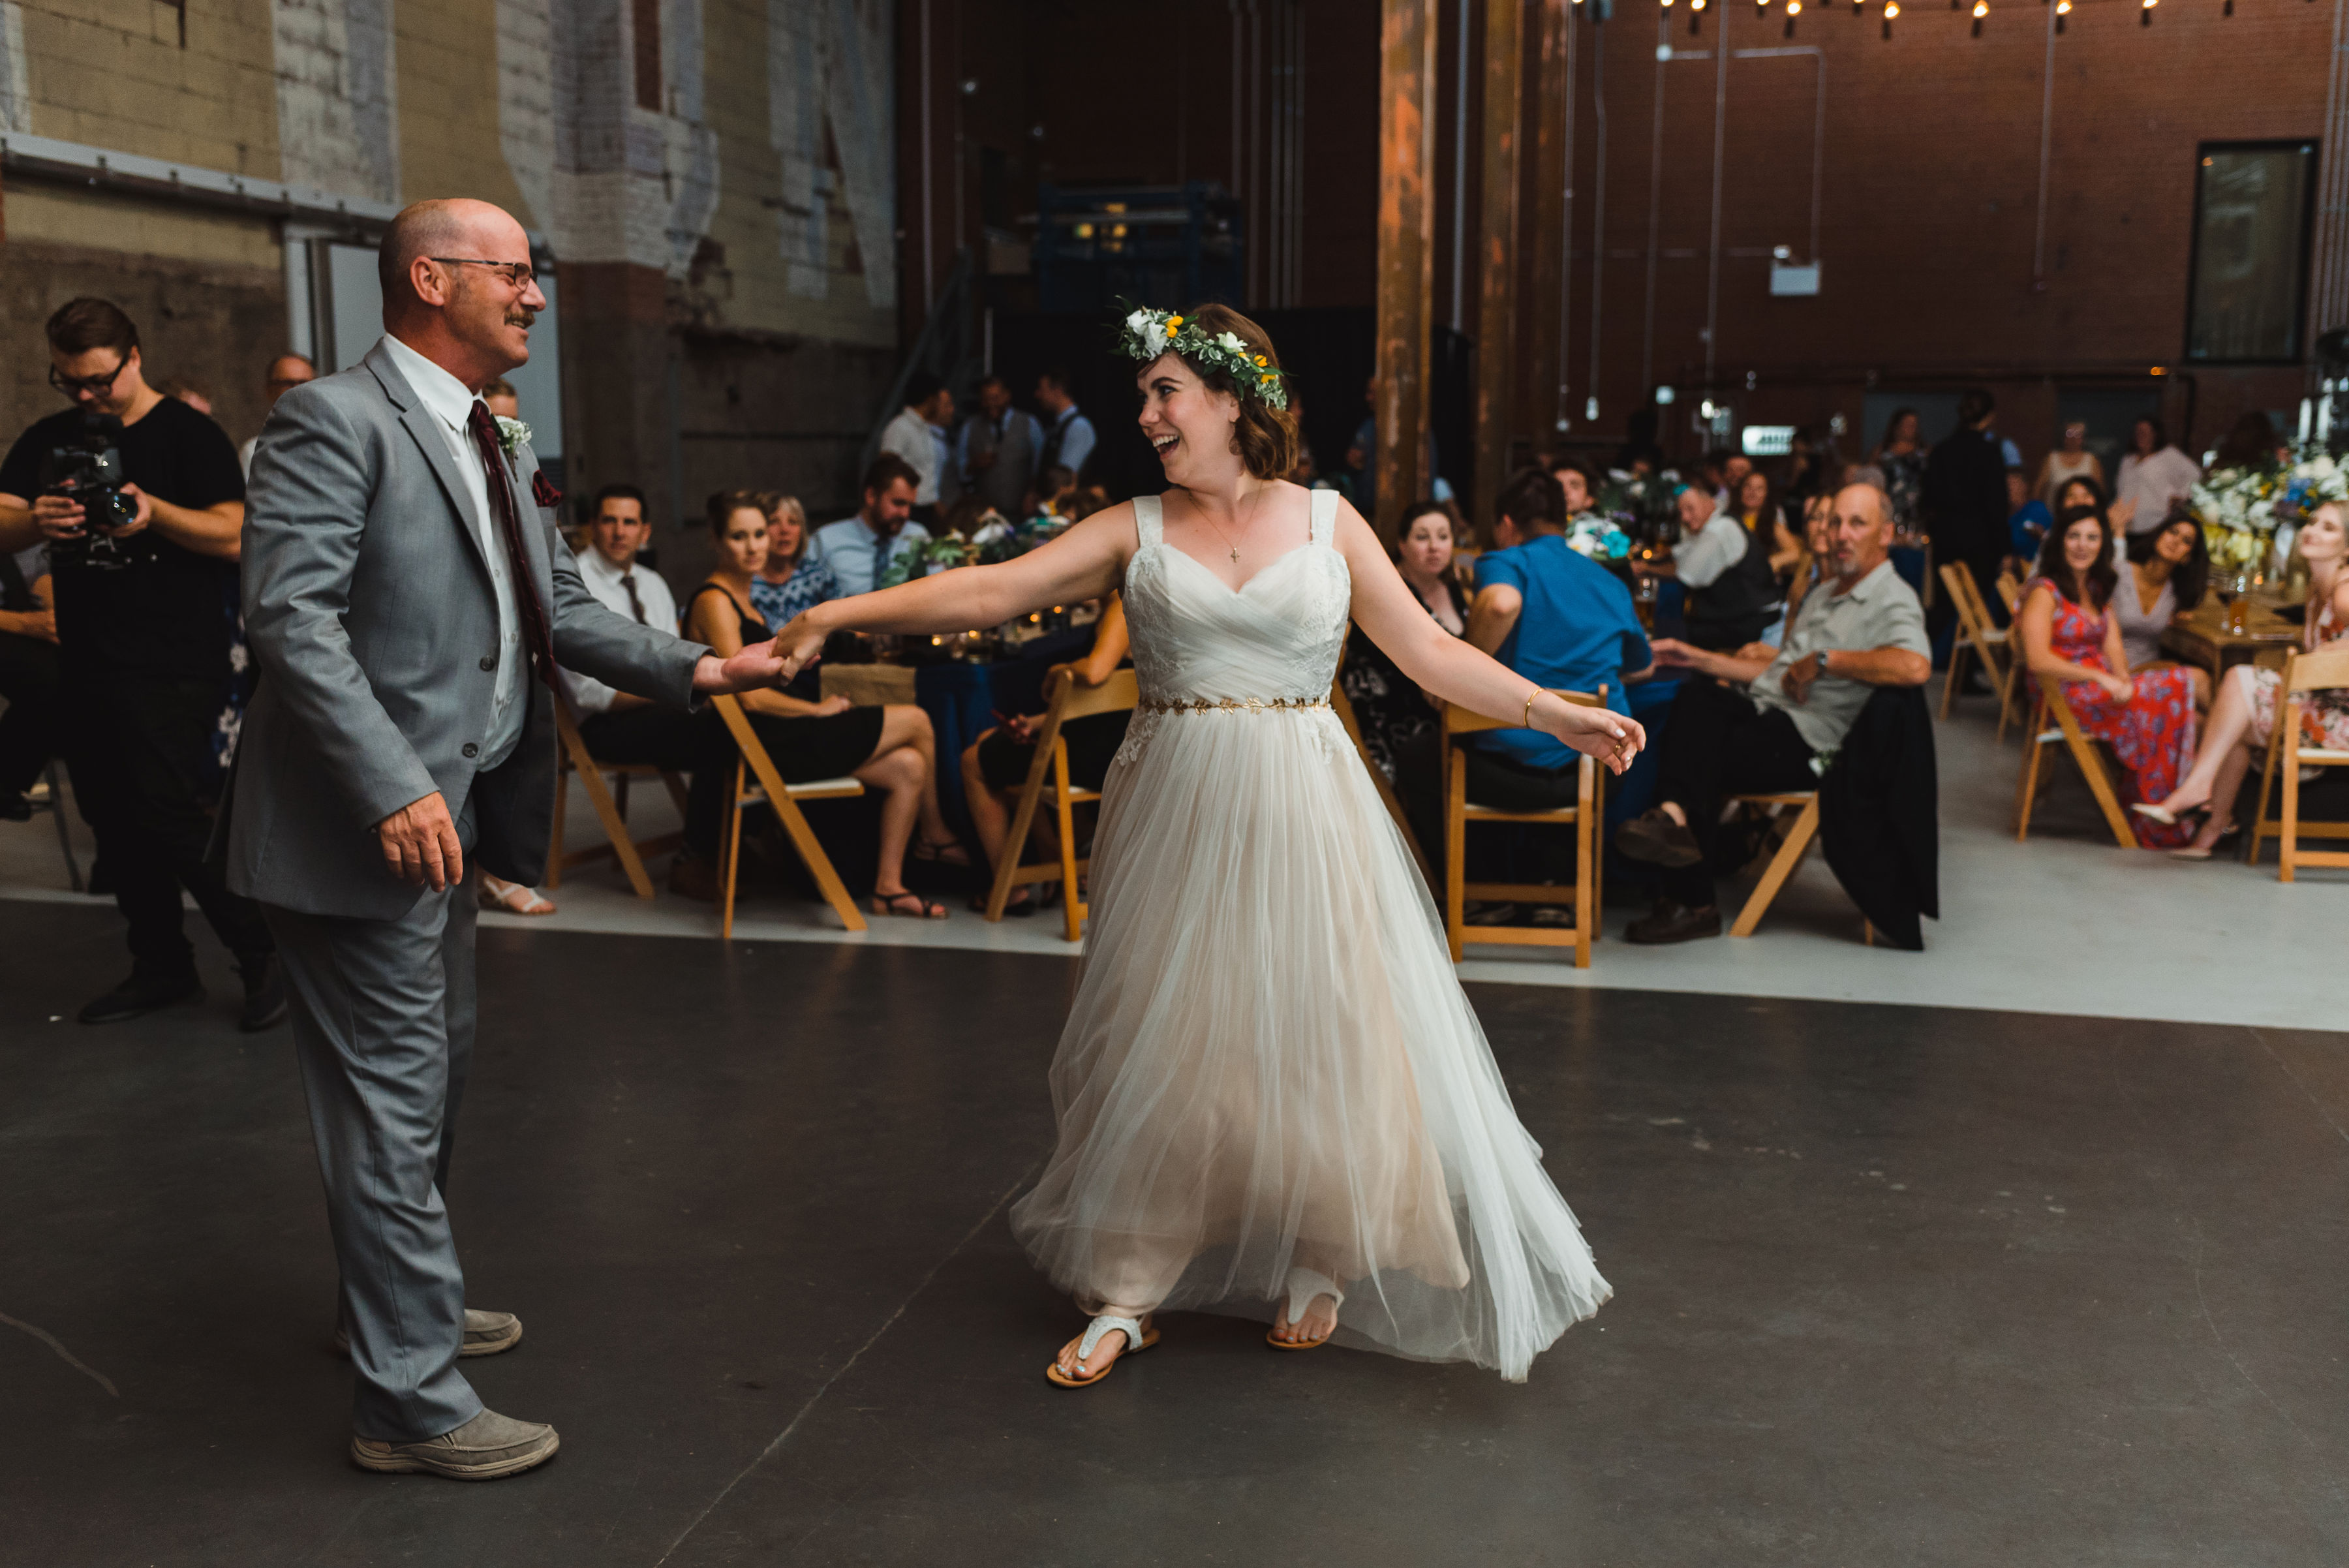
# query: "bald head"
458,288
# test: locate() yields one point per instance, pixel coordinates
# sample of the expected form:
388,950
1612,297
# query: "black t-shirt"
141,604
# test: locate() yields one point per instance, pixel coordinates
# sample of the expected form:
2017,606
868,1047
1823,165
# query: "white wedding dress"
1270,1063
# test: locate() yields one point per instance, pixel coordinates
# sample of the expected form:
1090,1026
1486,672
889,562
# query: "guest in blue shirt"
2027,517
859,551
1550,613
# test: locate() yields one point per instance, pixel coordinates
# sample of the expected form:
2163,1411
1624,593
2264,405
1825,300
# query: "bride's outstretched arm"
1085,562
1451,668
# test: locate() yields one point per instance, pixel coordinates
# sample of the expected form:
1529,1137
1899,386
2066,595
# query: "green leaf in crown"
1149,333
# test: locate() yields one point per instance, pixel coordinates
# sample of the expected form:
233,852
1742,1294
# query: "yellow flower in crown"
1174,324
1260,359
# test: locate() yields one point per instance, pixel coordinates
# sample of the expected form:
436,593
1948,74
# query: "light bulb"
1982,9
1794,7
1891,9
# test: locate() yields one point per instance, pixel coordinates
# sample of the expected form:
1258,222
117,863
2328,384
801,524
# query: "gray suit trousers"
383,1025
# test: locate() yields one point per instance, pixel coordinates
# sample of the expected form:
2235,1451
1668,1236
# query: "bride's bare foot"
1319,1322
1107,1351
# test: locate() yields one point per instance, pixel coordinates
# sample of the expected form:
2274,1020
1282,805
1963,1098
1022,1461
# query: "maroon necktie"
534,633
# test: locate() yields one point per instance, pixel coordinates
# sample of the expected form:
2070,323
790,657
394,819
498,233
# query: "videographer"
140,501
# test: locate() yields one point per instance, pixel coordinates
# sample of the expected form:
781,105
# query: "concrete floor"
1895,1285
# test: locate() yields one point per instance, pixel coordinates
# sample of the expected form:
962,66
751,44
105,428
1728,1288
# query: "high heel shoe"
2167,817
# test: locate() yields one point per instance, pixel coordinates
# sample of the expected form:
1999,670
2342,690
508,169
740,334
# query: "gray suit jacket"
369,609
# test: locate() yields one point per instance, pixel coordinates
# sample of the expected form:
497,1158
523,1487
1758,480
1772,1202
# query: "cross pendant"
1236,553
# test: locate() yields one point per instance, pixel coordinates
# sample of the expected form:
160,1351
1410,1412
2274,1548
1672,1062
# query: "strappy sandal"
1304,1287
1137,1340
502,899
923,910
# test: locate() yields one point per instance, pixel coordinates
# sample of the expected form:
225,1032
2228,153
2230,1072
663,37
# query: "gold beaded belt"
1253,704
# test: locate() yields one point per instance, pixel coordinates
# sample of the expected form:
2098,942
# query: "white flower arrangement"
1149,333
2242,509
512,435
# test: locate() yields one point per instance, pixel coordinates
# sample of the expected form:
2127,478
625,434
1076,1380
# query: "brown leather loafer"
1672,922
486,1334
486,1448
1657,839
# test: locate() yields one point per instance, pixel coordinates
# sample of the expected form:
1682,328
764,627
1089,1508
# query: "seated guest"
1553,616
2244,717
1733,595
1757,508
1778,720
893,750
2027,517
790,581
1575,478
501,398
995,766
2169,568
2071,637
1810,569
30,677
1392,711
616,726
863,552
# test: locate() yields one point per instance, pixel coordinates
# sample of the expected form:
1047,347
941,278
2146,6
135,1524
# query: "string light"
1982,9
1891,9
2063,9
2145,16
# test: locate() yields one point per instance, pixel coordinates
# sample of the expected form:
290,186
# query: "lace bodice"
1278,638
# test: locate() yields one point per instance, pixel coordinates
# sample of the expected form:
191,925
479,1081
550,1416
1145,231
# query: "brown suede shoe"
694,877
486,1334
484,1448
1672,922
1659,841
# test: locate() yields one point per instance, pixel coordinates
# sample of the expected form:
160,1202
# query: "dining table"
2256,628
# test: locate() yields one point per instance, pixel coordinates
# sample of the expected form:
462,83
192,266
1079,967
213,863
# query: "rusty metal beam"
1407,30
1496,251
1544,317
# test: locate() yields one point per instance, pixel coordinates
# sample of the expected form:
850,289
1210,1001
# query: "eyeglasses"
95,386
518,273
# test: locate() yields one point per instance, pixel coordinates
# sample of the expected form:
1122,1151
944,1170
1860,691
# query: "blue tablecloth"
963,700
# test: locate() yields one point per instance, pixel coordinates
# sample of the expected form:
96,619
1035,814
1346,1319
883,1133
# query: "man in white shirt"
1732,594
2152,476
609,567
286,372
917,437
1068,434
862,550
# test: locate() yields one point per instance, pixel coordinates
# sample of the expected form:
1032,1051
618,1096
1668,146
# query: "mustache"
521,318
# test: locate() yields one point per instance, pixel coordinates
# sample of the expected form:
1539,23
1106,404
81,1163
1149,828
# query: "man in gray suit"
408,601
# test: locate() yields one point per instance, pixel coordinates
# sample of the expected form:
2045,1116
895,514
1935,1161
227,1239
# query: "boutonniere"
512,435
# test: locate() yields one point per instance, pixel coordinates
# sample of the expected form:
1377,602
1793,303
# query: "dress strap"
1325,516
1149,520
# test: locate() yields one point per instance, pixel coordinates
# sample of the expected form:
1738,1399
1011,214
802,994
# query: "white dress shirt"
1076,433
1699,561
610,586
913,438
451,403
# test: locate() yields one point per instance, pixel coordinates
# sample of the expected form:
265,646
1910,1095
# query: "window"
2248,281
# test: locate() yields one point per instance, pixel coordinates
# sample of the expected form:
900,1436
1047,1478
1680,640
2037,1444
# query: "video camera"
88,471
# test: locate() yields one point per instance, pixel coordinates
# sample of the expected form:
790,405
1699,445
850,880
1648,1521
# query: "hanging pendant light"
1891,9
1982,9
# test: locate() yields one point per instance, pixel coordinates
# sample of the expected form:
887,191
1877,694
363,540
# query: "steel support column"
1496,252
1406,251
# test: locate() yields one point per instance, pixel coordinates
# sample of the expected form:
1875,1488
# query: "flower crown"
1149,333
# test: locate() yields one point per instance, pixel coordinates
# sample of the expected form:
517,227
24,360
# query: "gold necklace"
1227,538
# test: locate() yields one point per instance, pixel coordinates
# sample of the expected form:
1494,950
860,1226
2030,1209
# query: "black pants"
30,729
1716,743
136,745
1534,853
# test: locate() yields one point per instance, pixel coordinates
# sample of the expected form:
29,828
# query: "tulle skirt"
1270,1063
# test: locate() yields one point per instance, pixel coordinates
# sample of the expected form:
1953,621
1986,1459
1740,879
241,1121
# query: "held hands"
798,645
756,666
419,844
1598,732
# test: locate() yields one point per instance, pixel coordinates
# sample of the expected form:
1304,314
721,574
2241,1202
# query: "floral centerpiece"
2242,510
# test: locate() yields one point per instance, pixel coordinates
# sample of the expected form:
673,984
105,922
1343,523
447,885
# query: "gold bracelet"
1527,719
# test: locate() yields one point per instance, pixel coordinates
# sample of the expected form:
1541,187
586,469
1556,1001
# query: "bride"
1273,1100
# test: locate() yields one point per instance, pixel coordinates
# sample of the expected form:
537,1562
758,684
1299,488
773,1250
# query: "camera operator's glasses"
518,273
95,386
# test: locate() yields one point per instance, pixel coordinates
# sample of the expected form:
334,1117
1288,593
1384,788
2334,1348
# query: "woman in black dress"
1389,709
891,750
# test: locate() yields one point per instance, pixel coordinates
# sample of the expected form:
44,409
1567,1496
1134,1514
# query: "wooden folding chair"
770,790
2067,733
1789,855
2010,594
1583,816
1984,640
1048,780
611,807
1345,712
2288,753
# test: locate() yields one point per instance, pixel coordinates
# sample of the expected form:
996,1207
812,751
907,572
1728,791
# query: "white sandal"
1137,1340
1304,1287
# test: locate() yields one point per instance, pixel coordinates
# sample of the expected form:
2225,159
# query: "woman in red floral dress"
2070,636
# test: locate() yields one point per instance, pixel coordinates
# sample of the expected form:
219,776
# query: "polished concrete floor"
1895,1285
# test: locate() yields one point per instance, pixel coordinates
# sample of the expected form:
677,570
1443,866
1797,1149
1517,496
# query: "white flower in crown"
1149,328
512,434
1230,343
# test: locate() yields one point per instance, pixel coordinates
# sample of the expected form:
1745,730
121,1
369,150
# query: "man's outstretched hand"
419,844
755,667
